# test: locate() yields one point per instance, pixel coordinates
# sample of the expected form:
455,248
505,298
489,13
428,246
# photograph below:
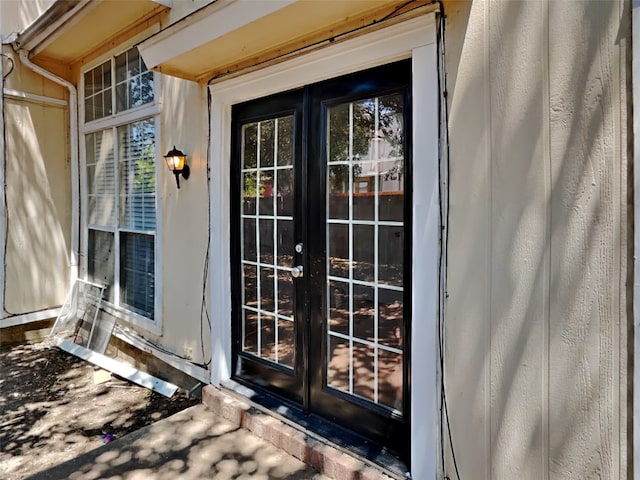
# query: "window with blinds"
121,184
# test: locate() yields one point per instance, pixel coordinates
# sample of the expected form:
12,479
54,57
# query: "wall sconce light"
176,163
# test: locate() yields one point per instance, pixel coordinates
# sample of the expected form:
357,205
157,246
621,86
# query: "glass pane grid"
97,92
263,243
383,223
278,315
134,82
355,142
373,162
381,286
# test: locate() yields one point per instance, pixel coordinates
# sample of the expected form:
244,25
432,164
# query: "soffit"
100,22
228,36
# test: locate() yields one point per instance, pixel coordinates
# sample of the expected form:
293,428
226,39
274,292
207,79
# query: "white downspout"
73,135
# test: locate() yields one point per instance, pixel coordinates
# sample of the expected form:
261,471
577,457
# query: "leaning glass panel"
101,260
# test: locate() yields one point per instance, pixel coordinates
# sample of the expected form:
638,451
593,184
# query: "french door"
320,230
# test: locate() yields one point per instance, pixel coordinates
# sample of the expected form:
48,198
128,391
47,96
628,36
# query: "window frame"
112,122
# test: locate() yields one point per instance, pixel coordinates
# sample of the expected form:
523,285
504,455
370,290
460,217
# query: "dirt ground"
51,410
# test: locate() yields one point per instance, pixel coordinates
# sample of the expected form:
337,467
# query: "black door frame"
311,289
286,384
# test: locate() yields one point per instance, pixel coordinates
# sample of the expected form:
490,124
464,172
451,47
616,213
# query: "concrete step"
324,456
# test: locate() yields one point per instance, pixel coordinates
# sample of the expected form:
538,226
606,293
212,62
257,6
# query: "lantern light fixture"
176,163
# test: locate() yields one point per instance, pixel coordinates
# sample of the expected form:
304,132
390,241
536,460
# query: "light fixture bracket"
185,172
176,161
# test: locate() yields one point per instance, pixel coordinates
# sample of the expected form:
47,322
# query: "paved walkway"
192,444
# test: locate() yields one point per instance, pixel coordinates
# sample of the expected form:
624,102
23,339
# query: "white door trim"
414,39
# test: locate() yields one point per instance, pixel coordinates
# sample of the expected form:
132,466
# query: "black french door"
320,237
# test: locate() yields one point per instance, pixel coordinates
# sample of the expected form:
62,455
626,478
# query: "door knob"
297,272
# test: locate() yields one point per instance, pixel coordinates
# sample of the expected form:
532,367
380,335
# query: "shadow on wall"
535,346
38,207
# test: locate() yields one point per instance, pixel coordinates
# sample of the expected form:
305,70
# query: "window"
133,86
121,182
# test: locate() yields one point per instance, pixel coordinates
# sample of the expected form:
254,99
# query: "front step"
312,450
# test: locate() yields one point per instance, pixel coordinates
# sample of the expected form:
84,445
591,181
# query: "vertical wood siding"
536,325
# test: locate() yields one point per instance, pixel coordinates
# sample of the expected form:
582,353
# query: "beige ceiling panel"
101,23
296,26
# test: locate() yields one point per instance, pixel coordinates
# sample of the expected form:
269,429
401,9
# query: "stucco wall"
184,221
536,348
38,196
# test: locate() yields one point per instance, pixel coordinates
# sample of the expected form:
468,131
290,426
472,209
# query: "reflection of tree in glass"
285,140
391,122
141,90
251,187
361,131
143,138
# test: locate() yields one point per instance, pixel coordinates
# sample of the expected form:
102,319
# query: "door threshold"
330,449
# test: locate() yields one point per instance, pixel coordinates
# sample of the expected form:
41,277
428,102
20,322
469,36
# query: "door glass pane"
339,307
365,246
249,193
339,363
267,240
285,191
339,250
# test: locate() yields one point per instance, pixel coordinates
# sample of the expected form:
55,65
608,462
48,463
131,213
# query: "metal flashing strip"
29,317
131,338
25,96
123,370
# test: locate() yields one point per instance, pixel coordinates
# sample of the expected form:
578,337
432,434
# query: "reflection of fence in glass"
365,249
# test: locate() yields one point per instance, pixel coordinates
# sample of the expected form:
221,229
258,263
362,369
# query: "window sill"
146,324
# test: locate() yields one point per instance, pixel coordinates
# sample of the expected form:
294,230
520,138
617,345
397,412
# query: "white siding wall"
536,362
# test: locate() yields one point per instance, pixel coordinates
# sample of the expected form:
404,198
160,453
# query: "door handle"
297,272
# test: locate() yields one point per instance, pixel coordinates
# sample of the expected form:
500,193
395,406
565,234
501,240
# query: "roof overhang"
230,36
71,29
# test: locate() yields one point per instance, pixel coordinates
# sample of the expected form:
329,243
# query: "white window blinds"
137,176
101,178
